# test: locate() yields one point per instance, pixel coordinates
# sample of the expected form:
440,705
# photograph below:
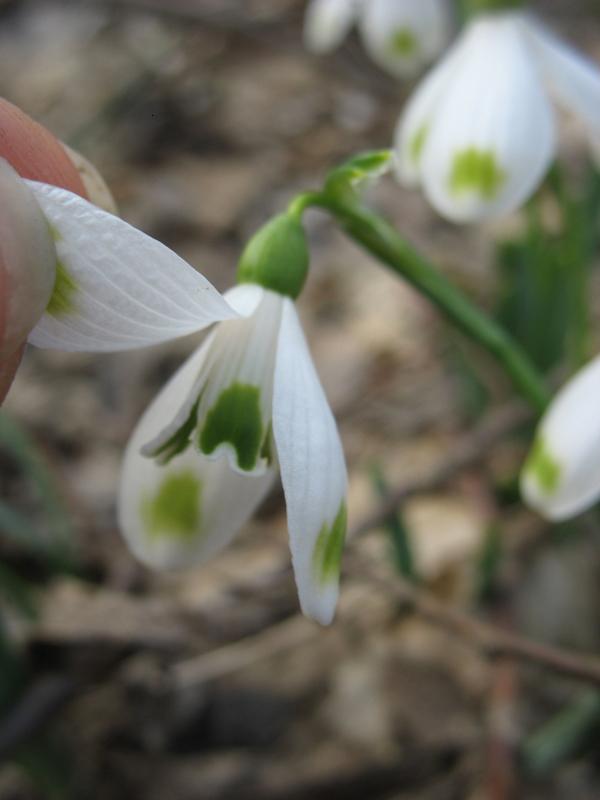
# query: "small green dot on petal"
475,170
403,42
417,143
175,509
327,555
543,467
65,288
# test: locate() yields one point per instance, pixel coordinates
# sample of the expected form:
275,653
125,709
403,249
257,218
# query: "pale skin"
35,154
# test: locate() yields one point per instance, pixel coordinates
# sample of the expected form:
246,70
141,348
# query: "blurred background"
205,117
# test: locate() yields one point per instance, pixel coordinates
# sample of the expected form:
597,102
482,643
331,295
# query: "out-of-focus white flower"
401,36
479,133
562,474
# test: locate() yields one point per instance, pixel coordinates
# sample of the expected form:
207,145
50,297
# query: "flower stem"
378,237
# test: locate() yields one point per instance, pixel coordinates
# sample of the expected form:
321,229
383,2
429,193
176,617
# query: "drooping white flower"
206,452
401,36
561,477
247,403
479,132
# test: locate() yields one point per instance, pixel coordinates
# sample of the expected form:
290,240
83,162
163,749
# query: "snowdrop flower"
479,132
401,36
561,477
246,404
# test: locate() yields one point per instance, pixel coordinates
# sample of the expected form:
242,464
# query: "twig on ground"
466,454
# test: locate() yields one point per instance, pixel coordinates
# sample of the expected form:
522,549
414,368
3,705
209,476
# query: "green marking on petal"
403,42
327,555
179,441
417,143
542,466
475,170
65,288
235,419
175,510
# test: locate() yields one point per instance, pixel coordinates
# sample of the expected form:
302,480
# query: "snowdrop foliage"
401,36
562,475
479,133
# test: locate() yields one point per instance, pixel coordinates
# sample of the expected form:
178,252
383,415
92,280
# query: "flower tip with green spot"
561,477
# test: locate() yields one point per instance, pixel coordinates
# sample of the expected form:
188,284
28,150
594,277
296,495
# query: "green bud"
473,7
277,257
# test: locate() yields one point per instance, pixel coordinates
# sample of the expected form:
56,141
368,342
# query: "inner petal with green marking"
229,410
327,555
475,170
174,511
235,419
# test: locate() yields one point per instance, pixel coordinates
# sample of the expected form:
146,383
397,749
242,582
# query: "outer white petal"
117,288
414,125
313,471
402,36
225,499
27,261
573,79
562,475
493,136
327,23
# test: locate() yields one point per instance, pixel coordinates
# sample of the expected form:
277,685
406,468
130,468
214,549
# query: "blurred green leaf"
18,592
564,736
51,538
395,527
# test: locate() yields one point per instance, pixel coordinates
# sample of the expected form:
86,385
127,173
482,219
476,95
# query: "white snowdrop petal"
181,514
415,123
327,23
116,287
313,471
402,36
27,261
571,77
493,136
562,475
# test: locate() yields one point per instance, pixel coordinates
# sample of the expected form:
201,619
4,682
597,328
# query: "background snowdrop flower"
401,36
328,22
562,475
245,404
479,132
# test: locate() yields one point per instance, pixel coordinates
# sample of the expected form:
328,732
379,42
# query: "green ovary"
235,419
542,466
475,170
175,510
403,42
65,288
327,555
